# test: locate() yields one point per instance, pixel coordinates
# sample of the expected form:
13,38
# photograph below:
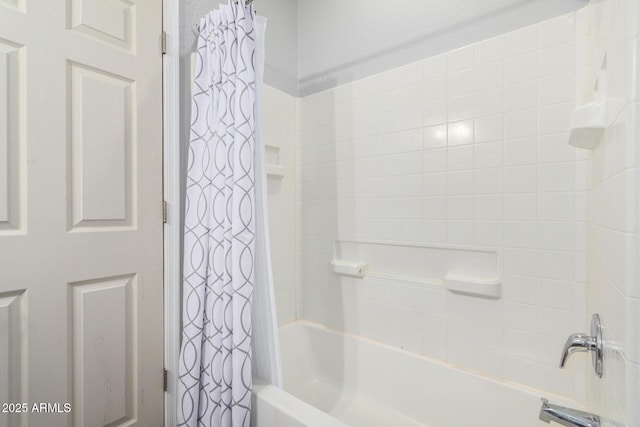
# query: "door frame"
172,194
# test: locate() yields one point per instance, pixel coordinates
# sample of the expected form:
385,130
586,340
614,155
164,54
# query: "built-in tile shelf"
460,269
468,284
273,162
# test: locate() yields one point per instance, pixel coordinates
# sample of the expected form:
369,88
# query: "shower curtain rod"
196,28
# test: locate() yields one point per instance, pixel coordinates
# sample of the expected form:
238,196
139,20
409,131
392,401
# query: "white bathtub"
336,380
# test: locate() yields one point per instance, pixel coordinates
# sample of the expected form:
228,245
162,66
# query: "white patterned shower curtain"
214,387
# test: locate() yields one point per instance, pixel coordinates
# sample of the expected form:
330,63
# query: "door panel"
104,347
12,344
11,142
101,146
80,212
111,22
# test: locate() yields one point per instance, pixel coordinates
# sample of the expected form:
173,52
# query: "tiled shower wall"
466,149
280,136
613,288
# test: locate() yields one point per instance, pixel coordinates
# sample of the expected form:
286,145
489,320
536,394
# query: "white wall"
613,287
342,41
466,148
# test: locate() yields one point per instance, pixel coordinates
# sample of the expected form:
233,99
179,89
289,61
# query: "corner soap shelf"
588,123
273,165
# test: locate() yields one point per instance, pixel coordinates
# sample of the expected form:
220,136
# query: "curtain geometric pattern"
214,387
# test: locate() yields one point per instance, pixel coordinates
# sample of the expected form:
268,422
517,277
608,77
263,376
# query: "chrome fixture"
583,342
567,416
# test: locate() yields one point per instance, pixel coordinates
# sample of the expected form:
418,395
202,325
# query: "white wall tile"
558,88
556,177
391,143
411,164
435,208
556,206
435,136
556,118
460,182
487,233
556,235
434,113
412,118
522,317
435,89
555,380
459,207
519,124
434,184
556,265
488,155
554,148
521,151
547,349
460,59
460,108
489,50
520,179
435,160
556,294
520,207
460,132
521,96
521,289
558,30
521,262
521,68
460,232
434,67
555,323
520,234
434,231
632,332
489,76
489,102
460,158
558,59
521,41
488,181
489,207
489,128
412,140
632,374
460,83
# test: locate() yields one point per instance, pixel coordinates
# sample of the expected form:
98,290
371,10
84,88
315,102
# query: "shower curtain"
223,237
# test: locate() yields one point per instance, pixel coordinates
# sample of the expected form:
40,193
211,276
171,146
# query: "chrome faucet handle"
583,342
576,343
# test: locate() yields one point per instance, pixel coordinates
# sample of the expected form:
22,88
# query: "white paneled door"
81,288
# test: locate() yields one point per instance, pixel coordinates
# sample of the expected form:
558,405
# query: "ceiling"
344,40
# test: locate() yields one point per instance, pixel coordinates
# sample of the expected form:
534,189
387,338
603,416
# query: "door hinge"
164,212
164,42
164,379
